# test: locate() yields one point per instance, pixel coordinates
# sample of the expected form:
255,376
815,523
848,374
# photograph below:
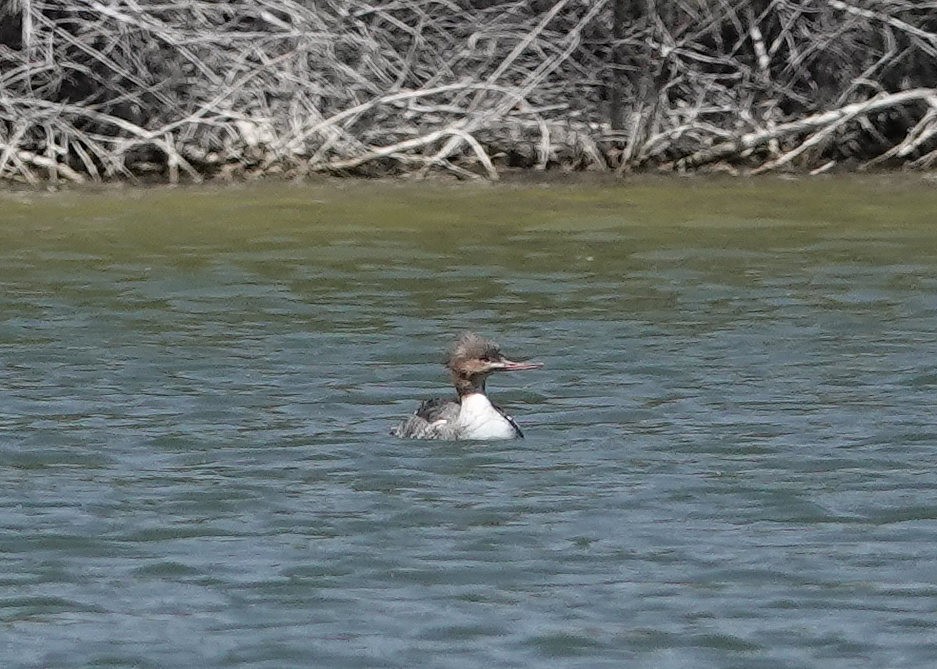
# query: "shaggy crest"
472,346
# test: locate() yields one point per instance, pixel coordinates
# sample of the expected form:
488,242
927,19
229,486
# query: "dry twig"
98,90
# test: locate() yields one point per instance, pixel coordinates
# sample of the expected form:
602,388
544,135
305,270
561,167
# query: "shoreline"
513,178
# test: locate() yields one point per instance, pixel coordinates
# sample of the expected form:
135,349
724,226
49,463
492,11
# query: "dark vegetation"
105,89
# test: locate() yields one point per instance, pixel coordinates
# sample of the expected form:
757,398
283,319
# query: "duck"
470,414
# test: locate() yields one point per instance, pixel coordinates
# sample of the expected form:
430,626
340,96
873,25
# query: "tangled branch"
96,90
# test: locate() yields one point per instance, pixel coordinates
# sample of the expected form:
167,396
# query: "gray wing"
438,408
433,420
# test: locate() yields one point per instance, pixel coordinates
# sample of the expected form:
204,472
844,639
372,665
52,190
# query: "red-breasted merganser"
471,415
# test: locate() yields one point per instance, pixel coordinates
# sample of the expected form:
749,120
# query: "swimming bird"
471,415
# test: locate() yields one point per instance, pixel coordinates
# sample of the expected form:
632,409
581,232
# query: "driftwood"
93,90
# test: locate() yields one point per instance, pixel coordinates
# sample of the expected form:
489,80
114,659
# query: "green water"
728,451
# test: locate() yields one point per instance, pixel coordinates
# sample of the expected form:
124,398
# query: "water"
729,453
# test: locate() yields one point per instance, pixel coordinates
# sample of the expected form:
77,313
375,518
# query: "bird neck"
466,384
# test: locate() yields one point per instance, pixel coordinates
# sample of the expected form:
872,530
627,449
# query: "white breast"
478,419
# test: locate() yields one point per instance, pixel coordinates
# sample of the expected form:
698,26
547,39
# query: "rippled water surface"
730,452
